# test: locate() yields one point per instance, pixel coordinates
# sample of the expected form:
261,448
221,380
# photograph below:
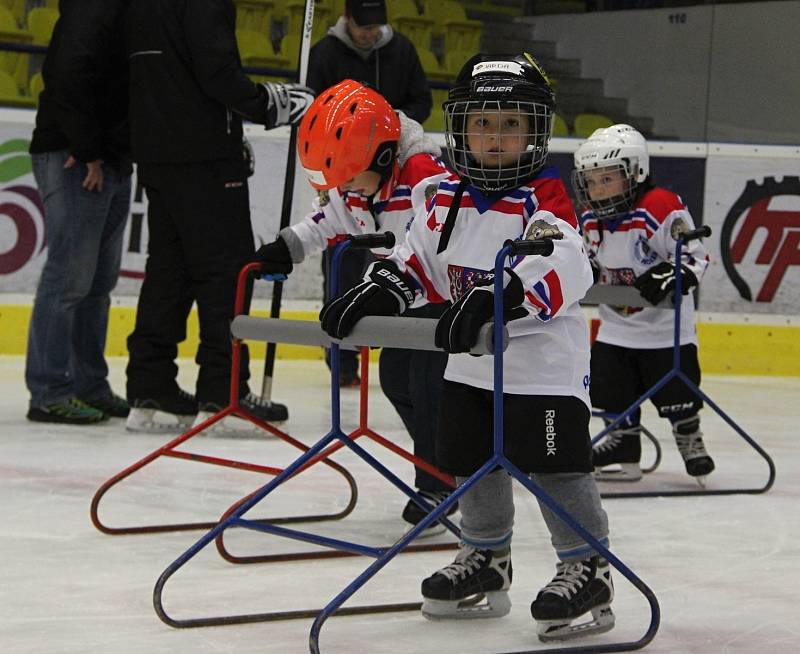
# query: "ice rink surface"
725,569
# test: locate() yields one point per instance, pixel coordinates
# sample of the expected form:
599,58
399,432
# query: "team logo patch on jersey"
542,229
324,198
463,279
430,191
678,228
643,253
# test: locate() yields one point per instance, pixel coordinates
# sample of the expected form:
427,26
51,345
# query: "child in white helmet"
630,229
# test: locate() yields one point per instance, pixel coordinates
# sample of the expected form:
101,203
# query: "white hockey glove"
386,291
286,103
459,326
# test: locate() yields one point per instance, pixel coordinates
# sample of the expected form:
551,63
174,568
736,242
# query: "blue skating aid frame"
383,556
676,371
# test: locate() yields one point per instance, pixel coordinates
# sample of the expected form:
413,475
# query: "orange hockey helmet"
347,130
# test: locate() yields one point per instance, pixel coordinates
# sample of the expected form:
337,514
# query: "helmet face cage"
615,205
482,137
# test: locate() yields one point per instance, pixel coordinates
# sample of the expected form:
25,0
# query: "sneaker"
622,447
112,404
166,414
71,411
413,514
455,590
689,439
578,587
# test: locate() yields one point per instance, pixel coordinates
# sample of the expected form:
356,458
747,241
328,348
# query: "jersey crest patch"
324,198
678,228
462,279
643,253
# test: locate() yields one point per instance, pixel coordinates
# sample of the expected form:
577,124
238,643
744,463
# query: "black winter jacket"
393,70
188,91
84,105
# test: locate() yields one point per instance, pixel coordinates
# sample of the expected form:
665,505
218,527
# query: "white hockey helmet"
617,148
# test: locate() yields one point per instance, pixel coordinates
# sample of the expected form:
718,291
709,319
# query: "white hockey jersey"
548,352
625,247
336,214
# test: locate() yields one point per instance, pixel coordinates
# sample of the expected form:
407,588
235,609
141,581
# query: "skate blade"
497,604
627,472
602,621
151,421
230,427
701,479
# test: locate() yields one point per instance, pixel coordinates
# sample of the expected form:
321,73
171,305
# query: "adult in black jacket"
362,47
81,162
188,98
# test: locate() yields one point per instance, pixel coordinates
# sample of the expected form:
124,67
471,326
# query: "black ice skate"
236,427
578,587
456,590
413,514
172,413
621,447
690,444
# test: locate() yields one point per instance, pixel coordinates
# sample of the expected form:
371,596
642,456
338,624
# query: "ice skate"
620,447
457,590
413,514
690,444
236,427
173,414
577,588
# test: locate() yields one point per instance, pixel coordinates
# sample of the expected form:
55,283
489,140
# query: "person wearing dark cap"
363,47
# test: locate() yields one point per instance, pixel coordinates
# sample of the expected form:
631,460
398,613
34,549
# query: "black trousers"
351,273
200,237
412,381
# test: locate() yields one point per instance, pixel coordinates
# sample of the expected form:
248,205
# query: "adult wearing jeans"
82,167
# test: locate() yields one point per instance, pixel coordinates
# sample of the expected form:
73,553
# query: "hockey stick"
288,193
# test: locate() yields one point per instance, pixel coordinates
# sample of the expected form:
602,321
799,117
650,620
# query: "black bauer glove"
458,327
386,291
286,103
659,281
275,259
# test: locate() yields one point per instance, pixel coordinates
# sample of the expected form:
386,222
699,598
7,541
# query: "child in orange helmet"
372,167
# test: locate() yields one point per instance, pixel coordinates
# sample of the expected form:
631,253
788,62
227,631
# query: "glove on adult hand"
286,103
274,258
458,327
659,281
385,292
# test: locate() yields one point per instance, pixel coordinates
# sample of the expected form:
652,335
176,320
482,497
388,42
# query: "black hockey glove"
659,281
385,292
458,328
275,260
286,103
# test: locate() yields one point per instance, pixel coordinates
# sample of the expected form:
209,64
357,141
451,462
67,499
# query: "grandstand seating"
295,10
433,70
36,86
17,8
15,64
451,22
256,50
406,19
560,126
585,124
9,92
435,122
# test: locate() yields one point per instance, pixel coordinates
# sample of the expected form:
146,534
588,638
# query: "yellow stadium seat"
41,21
585,124
255,15
450,20
405,18
256,50
454,61
433,71
15,64
296,14
560,126
36,86
435,122
17,8
9,92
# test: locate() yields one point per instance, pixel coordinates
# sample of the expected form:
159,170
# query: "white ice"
725,569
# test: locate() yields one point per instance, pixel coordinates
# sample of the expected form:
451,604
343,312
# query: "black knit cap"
367,12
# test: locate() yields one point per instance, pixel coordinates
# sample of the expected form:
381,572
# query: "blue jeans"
84,229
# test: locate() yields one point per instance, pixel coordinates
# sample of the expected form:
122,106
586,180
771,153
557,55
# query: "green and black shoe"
70,412
112,404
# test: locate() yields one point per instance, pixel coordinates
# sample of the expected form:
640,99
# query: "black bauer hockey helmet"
487,85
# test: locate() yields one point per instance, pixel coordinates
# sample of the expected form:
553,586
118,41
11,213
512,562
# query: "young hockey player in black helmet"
498,122
630,228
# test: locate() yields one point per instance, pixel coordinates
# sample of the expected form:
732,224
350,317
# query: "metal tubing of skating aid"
439,512
168,450
676,371
605,415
